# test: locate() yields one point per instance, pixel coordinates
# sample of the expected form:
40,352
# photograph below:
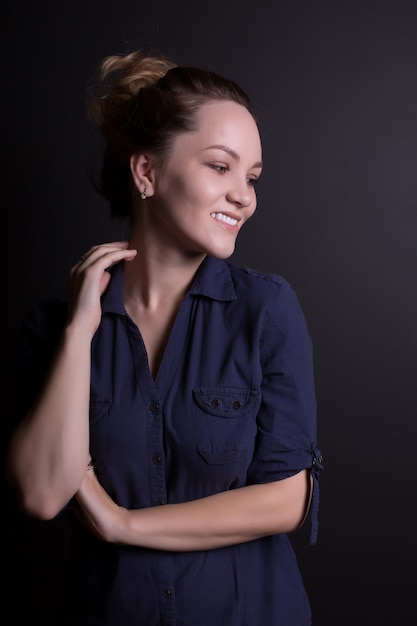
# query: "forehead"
224,123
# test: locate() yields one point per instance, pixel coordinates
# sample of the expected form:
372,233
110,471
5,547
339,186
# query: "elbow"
40,506
39,498
31,502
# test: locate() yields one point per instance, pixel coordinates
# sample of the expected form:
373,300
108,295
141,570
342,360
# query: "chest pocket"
225,422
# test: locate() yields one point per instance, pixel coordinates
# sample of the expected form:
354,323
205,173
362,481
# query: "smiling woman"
172,377
201,179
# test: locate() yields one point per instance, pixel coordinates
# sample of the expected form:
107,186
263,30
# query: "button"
161,502
156,459
154,407
215,403
167,593
237,404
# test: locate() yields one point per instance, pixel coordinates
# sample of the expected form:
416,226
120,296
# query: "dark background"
335,88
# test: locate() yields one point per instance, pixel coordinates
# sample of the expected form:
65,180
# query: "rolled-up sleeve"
287,419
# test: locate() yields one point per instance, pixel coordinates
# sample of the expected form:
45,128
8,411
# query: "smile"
221,217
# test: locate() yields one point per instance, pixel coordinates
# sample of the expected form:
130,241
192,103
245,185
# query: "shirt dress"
233,404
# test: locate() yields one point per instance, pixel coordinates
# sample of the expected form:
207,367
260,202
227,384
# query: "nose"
240,193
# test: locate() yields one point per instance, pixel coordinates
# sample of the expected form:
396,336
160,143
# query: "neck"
156,277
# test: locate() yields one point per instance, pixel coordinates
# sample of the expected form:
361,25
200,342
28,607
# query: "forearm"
49,451
222,519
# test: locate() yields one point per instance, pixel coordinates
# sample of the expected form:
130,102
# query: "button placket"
158,482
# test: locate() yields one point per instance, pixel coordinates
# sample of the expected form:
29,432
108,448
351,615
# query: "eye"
253,181
222,169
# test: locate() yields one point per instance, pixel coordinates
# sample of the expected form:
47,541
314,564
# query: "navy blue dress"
233,404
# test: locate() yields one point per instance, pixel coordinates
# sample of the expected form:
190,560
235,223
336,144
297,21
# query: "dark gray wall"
335,87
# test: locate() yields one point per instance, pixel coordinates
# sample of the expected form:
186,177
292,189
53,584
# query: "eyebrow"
232,153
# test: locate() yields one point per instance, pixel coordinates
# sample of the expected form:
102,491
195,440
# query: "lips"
226,219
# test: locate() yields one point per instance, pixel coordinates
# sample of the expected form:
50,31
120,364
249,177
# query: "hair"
141,103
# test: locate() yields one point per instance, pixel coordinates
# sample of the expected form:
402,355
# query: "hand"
98,512
89,279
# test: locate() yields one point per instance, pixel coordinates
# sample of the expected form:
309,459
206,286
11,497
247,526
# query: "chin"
221,254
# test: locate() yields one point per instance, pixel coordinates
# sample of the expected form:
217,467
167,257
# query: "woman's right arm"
49,451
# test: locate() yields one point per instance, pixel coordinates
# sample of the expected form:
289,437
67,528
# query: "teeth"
224,218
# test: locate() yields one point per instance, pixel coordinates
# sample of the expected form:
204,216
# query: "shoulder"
266,280
266,287
243,272
271,299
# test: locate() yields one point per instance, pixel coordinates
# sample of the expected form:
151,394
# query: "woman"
172,377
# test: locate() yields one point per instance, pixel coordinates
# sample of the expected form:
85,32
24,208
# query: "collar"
213,280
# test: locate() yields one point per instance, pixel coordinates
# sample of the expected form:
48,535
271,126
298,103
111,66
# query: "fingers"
112,252
89,279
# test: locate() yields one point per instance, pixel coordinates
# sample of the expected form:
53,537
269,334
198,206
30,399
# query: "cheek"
194,193
187,193
175,186
252,208
180,187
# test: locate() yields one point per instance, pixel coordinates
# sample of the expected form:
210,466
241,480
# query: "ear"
142,168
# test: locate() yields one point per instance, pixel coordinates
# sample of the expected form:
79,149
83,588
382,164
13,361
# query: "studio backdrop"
334,87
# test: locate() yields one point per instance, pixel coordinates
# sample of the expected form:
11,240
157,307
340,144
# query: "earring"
143,194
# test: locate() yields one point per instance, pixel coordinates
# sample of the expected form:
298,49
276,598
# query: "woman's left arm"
219,520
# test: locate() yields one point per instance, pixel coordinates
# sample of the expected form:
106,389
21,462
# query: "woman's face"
205,191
